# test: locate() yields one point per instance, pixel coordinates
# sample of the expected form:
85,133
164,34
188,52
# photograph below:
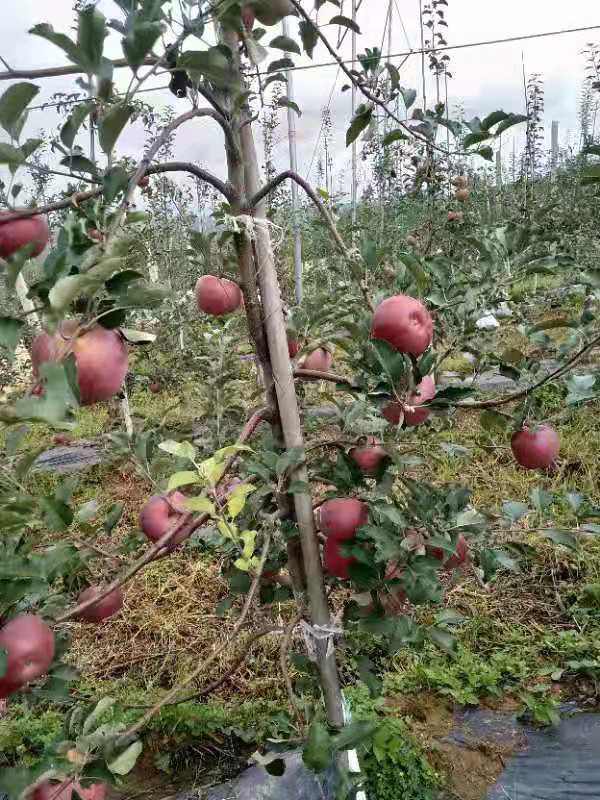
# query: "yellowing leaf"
249,540
212,470
229,531
183,478
237,499
200,504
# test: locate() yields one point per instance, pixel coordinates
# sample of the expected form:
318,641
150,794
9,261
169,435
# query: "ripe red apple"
393,412
462,195
154,387
341,517
144,182
404,323
94,233
455,216
393,598
29,644
424,393
16,233
92,791
105,608
160,513
320,360
217,296
248,17
294,346
368,456
100,355
53,790
461,182
335,563
457,559
536,448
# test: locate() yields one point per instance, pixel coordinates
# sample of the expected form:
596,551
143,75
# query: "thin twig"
524,392
283,658
172,694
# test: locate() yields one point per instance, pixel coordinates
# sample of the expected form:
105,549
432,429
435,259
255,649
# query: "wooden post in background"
291,118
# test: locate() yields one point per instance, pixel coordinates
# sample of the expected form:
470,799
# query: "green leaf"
491,421
124,763
114,182
409,96
179,449
354,734
286,43
10,155
514,511
485,152
47,32
310,36
112,124
285,102
139,42
345,22
71,127
115,513
57,398
13,103
202,505
443,639
184,478
57,515
394,136
77,163
65,290
90,38
93,719
392,362
360,121
318,750
475,138
291,458
560,536
10,332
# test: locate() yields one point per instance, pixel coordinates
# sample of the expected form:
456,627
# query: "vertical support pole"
354,176
498,170
555,125
291,118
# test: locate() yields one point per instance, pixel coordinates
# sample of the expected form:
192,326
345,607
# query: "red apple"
404,323
248,17
424,393
462,195
154,387
393,598
341,517
100,355
92,791
335,563
393,412
294,346
53,790
105,608
160,513
29,644
320,360
94,233
16,233
455,216
217,296
536,448
368,456
144,182
457,559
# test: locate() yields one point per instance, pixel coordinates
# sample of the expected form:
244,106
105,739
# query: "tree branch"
187,522
172,693
81,197
273,184
67,69
501,401
315,374
363,89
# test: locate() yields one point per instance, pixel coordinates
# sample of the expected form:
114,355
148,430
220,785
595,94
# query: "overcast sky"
485,78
